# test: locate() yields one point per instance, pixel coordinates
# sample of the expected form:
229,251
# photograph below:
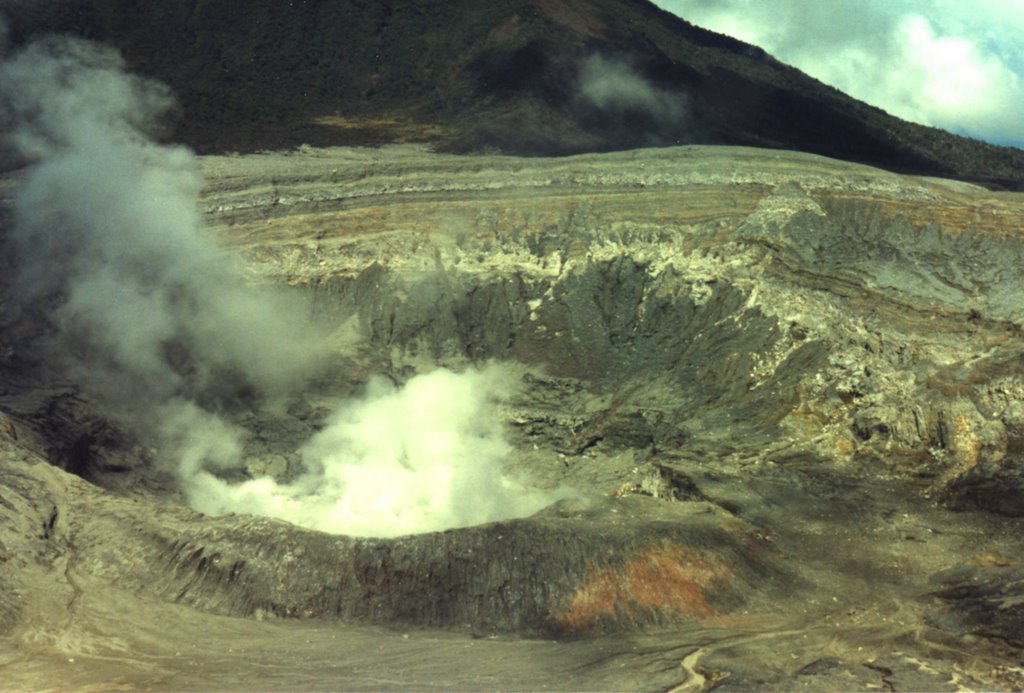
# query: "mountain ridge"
505,76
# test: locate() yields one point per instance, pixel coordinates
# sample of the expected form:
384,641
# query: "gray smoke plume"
148,315
152,320
108,235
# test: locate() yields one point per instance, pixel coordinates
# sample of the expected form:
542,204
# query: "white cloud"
954,65
957,81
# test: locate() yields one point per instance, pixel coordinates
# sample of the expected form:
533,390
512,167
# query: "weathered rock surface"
788,389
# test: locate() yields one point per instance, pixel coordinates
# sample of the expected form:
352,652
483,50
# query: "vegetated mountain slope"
520,76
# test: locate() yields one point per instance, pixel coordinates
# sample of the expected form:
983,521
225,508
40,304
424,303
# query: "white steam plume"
613,84
152,319
440,467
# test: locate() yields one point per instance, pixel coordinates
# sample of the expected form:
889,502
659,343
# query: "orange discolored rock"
662,582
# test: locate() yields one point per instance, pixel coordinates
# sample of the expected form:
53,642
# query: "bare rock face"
700,289
786,392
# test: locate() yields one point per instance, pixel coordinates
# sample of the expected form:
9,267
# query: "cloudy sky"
954,64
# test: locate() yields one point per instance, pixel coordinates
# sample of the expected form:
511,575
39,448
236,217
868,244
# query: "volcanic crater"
777,401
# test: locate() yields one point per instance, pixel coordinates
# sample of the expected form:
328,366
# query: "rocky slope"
787,391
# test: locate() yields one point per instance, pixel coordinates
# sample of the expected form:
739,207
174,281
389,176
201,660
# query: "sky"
952,64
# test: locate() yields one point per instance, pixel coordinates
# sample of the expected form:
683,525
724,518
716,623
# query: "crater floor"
786,391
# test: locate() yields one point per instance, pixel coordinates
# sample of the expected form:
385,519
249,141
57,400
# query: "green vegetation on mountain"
502,75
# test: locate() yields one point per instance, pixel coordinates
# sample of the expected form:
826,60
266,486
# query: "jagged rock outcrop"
775,292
